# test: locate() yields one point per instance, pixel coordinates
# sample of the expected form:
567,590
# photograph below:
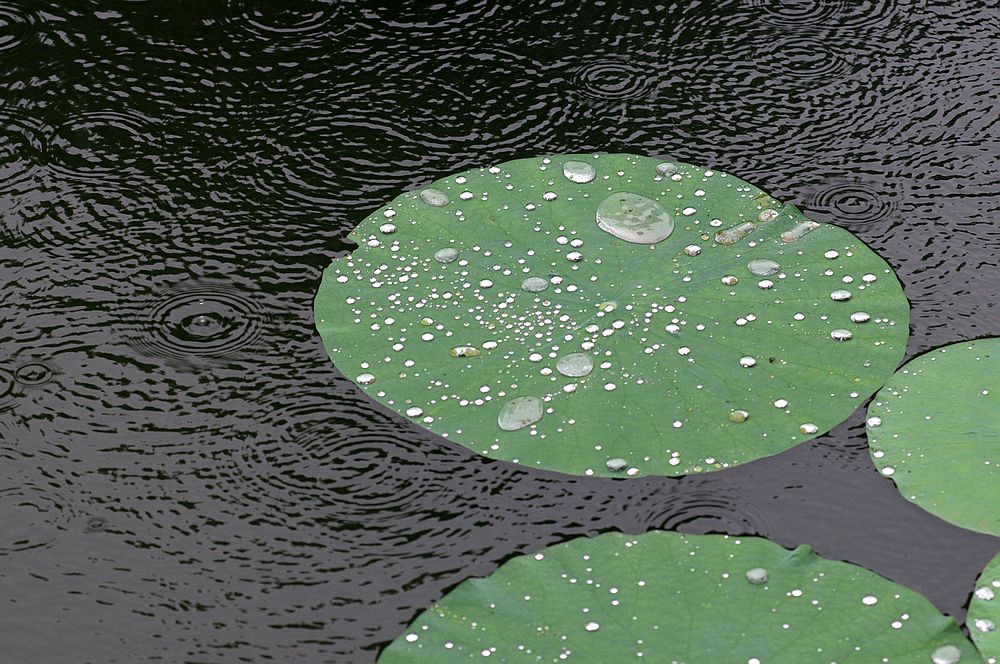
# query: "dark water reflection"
184,475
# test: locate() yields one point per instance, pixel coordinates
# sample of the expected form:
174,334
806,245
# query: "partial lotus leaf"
668,597
984,612
935,429
575,312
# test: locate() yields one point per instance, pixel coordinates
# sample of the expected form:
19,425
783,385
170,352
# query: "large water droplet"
841,335
634,218
948,654
738,416
616,464
800,230
434,197
757,576
579,171
984,624
763,267
534,284
465,351
592,626
575,365
666,168
985,593
735,234
840,295
365,379
520,412
446,255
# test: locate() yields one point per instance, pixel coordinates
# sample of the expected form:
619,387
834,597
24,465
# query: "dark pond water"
186,477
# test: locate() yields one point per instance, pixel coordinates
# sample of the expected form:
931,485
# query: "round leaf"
934,428
984,612
671,597
716,324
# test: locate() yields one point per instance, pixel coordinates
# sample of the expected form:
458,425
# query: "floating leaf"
984,612
663,596
935,429
719,325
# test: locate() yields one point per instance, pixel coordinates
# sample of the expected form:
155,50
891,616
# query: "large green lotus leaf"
984,612
668,597
494,309
935,429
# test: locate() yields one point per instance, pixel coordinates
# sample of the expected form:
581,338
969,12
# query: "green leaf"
468,295
680,598
934,428
984,612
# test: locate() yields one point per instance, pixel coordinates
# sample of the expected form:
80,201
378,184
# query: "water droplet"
465,351
831,254
984,624
634,218
579,171
575,365
840,296
808,428
757,576
485,283
410,638
616,464
947,654
984,593
869,278
888,471
592,626
765,284
763,267
534,284
734,234
666,168
860,317
426,321
781,403
365,379
434,197
747,362
800,230
729,280
869,600
574,256
841,335
692,250
767,215
520,412
446,255
388,229
414,411
874,421
738,416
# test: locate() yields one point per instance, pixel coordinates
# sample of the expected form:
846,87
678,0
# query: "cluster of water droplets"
543,309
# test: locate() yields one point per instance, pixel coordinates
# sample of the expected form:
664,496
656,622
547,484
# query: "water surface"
186,477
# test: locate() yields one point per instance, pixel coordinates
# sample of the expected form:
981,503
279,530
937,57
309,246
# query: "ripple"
358,462
14,26
856,203
34,373
100,144
830,13
613,78
445,15
198,321
32,517
285,25
800,58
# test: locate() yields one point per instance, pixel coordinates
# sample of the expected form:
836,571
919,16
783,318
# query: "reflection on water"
186,477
